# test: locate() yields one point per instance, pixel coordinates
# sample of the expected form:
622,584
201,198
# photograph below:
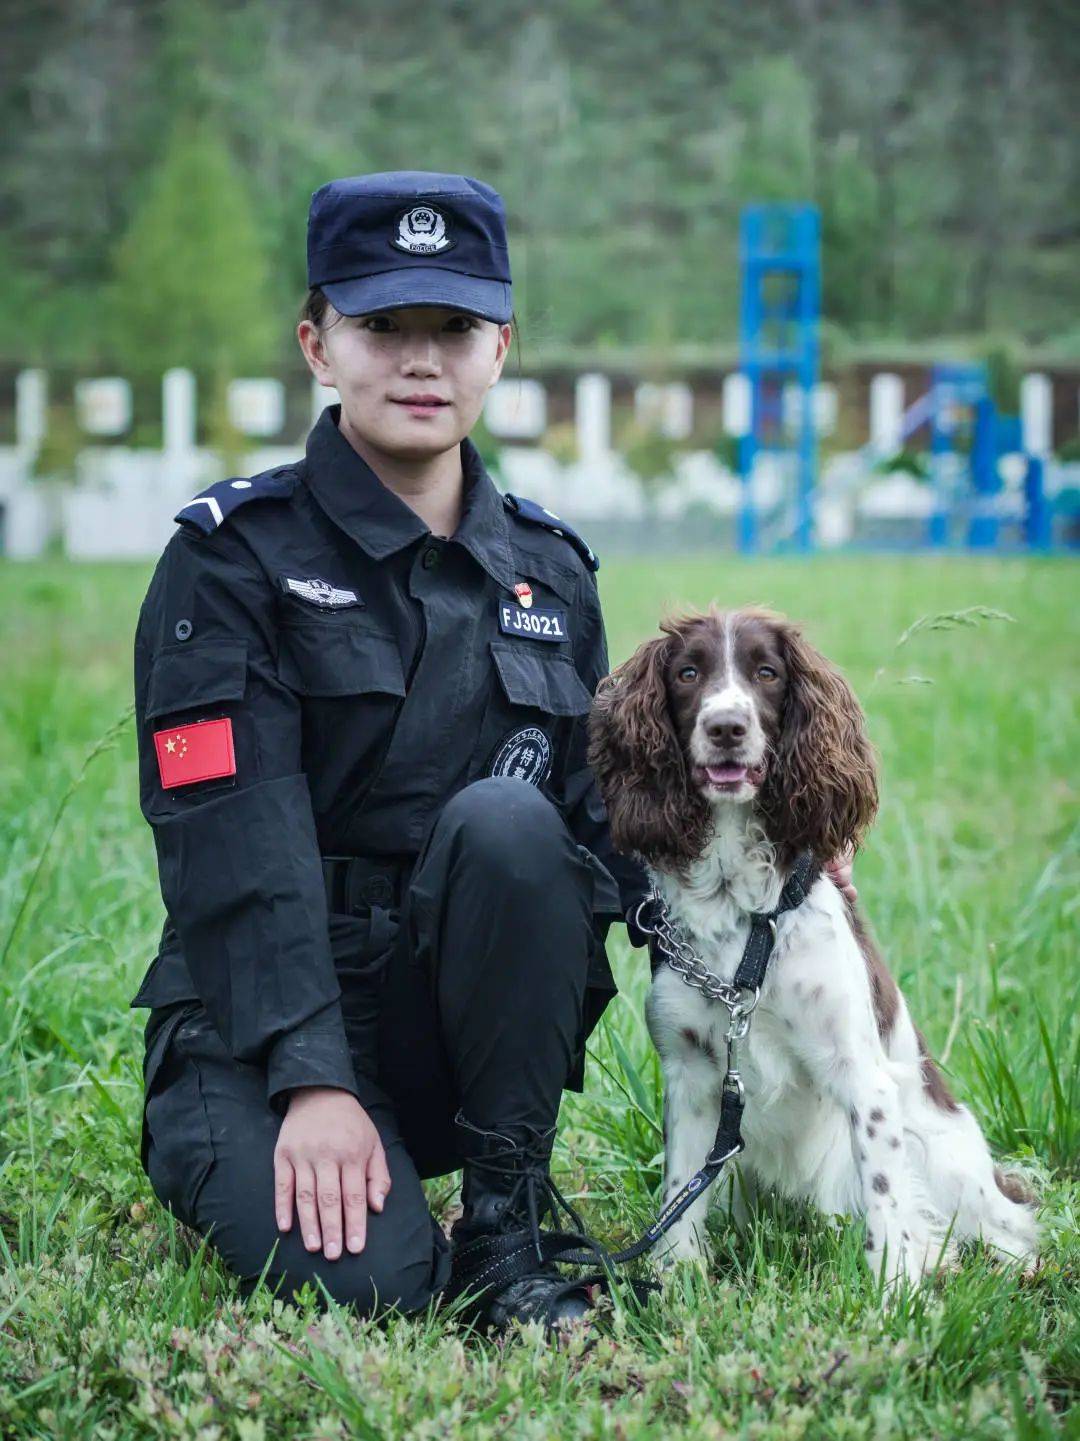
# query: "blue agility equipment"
969,501
968,440
780,256
779,355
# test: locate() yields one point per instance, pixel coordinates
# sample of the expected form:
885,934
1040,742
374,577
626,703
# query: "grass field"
114,1323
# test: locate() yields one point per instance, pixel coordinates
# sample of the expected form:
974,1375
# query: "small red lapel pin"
523,591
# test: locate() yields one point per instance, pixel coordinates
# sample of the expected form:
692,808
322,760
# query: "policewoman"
362,683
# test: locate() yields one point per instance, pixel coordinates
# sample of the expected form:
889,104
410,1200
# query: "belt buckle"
371,882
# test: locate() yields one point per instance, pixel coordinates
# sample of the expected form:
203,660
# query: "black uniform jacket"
369,669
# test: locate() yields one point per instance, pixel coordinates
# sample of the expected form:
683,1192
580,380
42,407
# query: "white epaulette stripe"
211,503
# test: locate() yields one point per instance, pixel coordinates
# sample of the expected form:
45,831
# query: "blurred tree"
851,238
191,278
938,140
774,105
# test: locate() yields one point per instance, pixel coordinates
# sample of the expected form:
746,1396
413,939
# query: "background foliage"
157,161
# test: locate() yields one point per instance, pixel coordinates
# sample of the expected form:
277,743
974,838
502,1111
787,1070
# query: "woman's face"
412,382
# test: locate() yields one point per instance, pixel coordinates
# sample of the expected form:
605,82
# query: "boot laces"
525,1163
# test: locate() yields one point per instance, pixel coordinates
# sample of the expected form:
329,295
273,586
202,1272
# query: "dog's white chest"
787,1120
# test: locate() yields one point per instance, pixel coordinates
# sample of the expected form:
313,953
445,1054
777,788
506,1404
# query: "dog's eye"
688,672
766,672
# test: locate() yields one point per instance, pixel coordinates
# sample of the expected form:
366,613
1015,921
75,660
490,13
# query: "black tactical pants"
482,1004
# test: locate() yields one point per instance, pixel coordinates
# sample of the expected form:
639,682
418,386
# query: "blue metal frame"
780,256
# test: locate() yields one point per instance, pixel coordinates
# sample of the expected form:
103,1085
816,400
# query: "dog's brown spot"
880,1184
883,989
894,1142
1014,1188
871,1132
877,1114
933,1081
869,1241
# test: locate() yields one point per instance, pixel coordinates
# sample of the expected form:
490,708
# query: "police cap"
410,237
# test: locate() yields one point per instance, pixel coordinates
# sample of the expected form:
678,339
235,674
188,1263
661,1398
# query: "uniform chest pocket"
530,676
333,658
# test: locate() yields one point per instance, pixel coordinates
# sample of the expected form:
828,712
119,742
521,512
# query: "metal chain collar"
692,970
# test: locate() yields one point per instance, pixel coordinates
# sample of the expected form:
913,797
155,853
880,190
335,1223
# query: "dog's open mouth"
728,777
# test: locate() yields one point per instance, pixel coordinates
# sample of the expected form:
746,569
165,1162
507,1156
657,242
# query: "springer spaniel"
724,749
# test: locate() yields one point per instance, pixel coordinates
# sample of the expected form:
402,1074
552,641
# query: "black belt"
355,881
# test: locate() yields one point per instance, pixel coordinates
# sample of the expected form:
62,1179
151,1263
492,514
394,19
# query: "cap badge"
422,231
523,591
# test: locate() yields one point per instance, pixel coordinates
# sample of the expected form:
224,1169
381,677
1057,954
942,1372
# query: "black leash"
492,1260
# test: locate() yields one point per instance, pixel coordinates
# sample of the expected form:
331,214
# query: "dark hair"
315,307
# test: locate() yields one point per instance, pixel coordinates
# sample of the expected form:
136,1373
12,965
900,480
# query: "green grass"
115,1323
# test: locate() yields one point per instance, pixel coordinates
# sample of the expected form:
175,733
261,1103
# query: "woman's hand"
328,1152
839,872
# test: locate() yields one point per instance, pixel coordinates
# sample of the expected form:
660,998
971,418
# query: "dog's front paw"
682,1248
913,1255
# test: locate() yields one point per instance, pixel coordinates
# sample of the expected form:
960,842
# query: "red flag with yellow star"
202,751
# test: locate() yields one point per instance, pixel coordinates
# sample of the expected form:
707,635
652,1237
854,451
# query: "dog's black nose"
726,730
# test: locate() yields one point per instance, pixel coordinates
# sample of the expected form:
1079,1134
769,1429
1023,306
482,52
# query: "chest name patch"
535,624
320,592
525,756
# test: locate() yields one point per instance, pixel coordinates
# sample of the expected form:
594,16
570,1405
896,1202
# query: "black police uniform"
404,888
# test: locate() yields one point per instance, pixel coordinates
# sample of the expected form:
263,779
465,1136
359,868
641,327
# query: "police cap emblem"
422,231
525,755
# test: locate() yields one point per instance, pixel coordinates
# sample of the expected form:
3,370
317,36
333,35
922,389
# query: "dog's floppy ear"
821,789
638,764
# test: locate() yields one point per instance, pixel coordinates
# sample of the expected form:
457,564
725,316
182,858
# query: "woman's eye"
688,672
381,323
461,323
766,672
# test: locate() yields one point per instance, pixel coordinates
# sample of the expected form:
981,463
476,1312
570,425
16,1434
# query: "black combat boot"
499,1254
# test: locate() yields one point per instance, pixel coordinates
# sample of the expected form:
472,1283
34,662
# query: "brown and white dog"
724,748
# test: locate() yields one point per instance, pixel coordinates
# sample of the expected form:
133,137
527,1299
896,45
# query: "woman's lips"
422,404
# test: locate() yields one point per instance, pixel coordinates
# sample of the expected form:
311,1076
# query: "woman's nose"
421,357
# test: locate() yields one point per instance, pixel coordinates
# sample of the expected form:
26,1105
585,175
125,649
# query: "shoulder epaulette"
529,510
217,502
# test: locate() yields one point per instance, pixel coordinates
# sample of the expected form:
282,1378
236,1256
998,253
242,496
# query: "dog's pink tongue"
725,775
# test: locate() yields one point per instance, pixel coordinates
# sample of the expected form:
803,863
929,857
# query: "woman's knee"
508,824
368,1285
392,1272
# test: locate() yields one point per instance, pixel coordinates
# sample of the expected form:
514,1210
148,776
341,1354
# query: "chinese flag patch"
199,752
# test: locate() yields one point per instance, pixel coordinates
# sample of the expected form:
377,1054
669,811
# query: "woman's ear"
311,344
821,791
638,763
502,350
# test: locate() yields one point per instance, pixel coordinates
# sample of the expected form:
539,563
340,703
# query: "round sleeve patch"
525,755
